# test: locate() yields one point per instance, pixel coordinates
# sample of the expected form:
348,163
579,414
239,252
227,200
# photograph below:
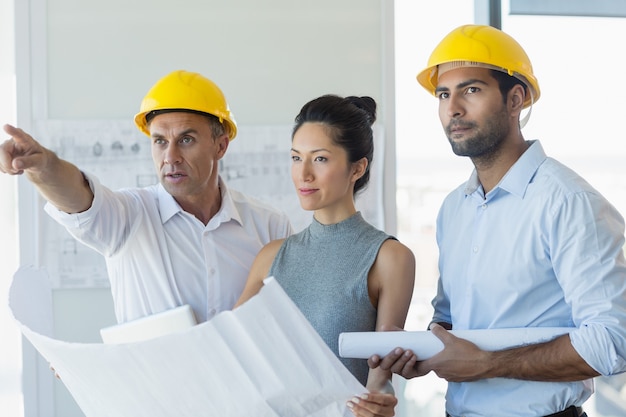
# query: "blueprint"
261,359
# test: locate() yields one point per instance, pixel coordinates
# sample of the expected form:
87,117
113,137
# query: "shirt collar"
168,206
229,210
516,180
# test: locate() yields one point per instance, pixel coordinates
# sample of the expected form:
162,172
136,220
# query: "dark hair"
349,121
506,82
217,128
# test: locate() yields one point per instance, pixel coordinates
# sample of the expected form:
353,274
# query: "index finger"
14,150
17,134
9,129
6,159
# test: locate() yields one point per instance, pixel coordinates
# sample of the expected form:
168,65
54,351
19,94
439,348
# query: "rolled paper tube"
424,344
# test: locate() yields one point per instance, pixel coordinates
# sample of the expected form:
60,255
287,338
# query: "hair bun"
365,103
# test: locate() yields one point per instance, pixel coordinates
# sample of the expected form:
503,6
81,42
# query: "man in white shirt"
187,240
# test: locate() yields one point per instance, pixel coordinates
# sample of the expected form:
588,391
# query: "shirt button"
212,312
475,249
484,206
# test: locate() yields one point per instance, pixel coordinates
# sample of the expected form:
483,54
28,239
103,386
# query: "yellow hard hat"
184,90
484,46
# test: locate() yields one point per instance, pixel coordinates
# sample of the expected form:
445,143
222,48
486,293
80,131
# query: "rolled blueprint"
424,344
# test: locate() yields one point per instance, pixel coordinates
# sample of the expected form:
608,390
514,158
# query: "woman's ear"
359,168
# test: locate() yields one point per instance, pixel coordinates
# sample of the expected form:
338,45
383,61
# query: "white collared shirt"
159,257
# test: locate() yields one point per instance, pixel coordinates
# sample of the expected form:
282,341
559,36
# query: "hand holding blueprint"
263,359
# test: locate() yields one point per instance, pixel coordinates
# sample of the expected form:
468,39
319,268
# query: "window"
10,360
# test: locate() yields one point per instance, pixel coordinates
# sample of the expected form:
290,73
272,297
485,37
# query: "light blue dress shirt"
542,249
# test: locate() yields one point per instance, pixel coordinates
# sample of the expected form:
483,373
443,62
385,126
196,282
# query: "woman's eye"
321,159
295,158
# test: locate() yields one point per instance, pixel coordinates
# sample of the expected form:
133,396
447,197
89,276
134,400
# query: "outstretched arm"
58,181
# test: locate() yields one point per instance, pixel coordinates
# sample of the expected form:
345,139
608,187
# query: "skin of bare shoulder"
393,271
259,270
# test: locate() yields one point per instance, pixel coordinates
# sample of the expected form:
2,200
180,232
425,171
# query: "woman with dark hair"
342,273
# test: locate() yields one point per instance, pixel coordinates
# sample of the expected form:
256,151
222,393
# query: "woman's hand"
373,404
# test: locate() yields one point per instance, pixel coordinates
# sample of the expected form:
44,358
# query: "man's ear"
222,143
517,94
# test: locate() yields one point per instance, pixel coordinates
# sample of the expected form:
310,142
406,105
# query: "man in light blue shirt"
526,242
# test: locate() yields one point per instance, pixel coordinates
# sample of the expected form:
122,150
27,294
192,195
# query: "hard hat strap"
523,122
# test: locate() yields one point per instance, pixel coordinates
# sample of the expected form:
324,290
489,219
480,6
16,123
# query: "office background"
87,62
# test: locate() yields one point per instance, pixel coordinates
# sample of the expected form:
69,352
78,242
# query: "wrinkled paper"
261,359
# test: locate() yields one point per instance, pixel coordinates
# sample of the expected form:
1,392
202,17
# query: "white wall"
269,57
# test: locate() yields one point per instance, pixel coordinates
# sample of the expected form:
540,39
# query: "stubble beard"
485,144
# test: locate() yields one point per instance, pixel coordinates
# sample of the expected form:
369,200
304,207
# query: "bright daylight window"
10,360
576,121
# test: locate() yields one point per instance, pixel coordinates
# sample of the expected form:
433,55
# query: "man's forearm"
554,361
62,184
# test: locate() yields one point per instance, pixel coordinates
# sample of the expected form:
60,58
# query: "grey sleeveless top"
324,271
